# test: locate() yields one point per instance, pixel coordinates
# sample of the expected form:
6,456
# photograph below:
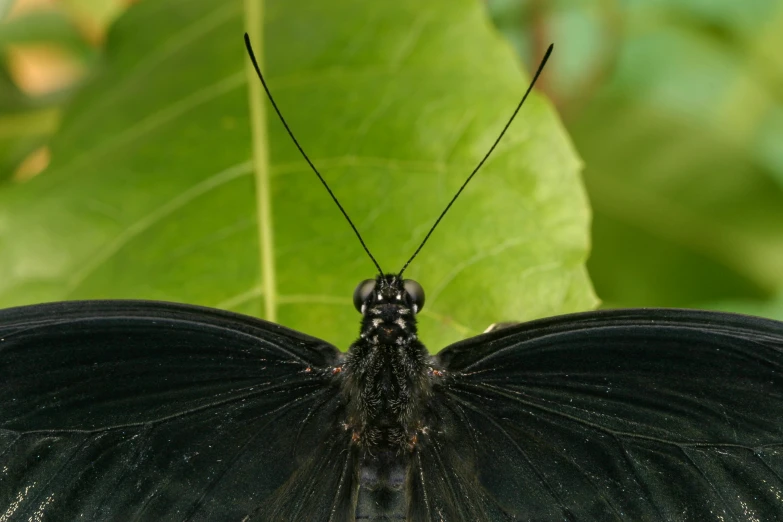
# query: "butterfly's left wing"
123,410
614,415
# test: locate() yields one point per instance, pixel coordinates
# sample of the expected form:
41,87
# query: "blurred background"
675,107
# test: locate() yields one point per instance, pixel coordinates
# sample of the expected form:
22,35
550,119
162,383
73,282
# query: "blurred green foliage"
28,120
152,188
676,107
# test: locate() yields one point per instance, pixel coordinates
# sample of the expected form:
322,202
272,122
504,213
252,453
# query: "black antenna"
304,155
530,88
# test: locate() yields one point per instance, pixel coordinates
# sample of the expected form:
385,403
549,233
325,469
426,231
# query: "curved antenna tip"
486,156
303,153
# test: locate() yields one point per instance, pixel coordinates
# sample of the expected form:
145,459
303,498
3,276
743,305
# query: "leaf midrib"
254,13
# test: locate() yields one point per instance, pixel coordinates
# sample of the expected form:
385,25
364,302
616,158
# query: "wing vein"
514,396
514,443
173,416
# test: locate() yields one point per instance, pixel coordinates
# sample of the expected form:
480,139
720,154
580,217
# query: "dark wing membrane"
614,415
325,488
126,410
443,480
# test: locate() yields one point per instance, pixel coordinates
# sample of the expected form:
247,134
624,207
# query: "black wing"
126,410
634,415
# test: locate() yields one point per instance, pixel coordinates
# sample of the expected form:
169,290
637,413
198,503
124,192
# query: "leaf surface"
153,188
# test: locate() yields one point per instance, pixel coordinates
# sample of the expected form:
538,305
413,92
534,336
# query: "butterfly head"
389,305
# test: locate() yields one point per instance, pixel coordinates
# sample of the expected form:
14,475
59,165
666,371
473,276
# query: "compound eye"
362,292
415,292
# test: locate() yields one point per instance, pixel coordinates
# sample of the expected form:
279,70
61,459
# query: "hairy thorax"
385,380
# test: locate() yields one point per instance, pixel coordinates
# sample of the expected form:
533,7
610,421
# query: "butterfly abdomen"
385,387
381,486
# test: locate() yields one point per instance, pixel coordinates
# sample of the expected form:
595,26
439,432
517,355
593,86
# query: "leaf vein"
97,259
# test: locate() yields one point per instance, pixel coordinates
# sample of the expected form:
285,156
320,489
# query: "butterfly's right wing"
137,410
627,415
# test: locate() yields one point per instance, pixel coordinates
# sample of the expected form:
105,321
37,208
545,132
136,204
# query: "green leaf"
154,190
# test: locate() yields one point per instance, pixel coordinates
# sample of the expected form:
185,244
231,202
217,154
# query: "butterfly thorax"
386,380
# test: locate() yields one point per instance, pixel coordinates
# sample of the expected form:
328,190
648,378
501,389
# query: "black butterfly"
138,410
